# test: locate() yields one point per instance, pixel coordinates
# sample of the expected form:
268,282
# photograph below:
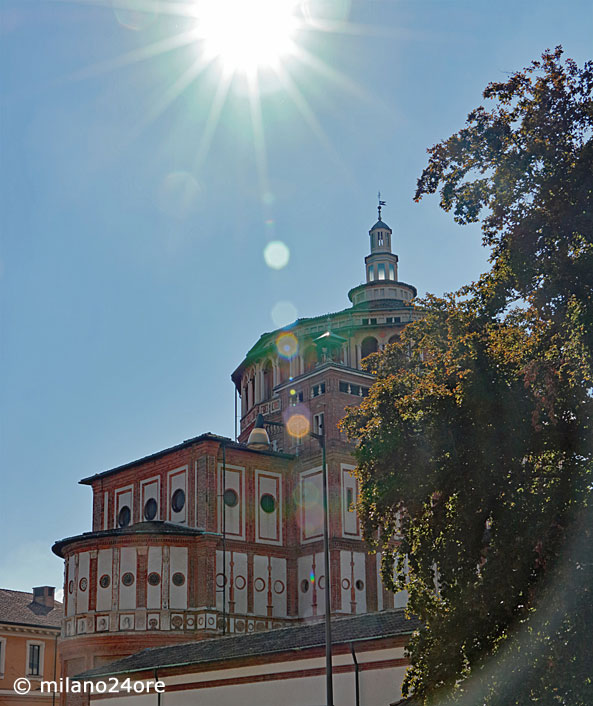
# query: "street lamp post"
259,439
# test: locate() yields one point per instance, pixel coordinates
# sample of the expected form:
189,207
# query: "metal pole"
356,675
223,521
328,630
53,698
236,393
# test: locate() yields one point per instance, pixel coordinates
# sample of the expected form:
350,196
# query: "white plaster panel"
360,582
150,490
311,569
268,524
269,586
234,516
311,504
177,480
71,587
127,594
238,582
178,565
279,587
350,523
123,496
82,597
154,565
260,585
104,568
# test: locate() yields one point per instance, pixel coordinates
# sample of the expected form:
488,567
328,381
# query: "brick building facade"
212,536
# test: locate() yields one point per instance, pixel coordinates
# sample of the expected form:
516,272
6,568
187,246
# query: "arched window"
268,380
251,392
310,358
394,338
368,346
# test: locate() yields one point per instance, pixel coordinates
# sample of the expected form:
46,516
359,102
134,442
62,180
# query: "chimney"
44,595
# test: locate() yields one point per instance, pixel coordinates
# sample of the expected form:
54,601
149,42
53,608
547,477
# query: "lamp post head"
259,439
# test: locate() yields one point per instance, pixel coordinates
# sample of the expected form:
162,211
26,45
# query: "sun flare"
246,35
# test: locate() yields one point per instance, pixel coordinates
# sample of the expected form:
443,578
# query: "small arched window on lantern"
369,345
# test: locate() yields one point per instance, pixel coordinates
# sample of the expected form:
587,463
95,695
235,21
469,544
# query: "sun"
246,35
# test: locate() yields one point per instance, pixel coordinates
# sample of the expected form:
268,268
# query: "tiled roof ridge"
388,623
19,608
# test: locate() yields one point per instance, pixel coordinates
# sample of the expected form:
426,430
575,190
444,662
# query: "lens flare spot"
312,577
287,345
283,313
276,254
135,14
298,426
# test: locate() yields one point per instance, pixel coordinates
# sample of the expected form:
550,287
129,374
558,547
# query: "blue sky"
132,273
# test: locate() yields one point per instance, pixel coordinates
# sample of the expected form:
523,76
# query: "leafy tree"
474,445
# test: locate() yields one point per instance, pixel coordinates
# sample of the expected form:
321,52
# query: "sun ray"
212,120
336,76
257,124
175,41
173,92
310,118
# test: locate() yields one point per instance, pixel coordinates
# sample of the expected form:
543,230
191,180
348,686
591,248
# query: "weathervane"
381,203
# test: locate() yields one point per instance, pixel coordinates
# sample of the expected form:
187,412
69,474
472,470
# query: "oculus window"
178,500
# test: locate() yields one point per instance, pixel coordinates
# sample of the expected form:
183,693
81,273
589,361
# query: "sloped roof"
152,528
17,607
208,436
380,224
389,623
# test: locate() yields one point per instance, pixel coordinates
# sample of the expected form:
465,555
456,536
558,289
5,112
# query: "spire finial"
381,203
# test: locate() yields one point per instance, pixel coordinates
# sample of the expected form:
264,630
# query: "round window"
359,584
267,502
150,509
154,579
178,500
178,578
128,578
304,585
104,581
230,497
124,516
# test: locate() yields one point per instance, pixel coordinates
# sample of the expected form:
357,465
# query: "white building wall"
177,573
378,686
104,568
155,566
127,594
82,603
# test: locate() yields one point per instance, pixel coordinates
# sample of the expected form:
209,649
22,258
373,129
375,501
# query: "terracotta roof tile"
389,623
17,607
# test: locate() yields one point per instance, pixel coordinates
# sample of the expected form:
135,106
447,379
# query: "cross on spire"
381,203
